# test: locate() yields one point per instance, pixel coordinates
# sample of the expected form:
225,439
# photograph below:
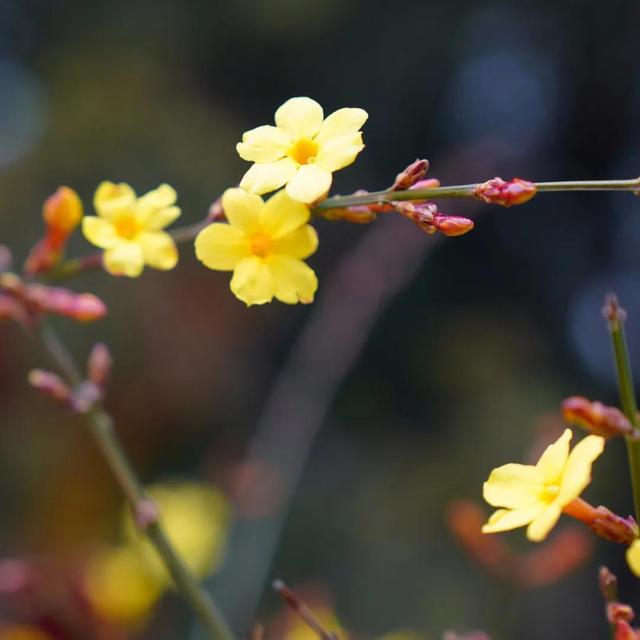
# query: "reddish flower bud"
617,612
83,307
506,194
615,528
596,417
49,384
6,259
624,632
452,225
99,364
407,178
608,584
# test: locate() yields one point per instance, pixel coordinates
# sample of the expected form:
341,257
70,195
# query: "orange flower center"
550,492
303,151
260,244
127,227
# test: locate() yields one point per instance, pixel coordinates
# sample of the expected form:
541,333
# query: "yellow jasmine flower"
302,150
194,517
633,557
536,495
264,245
129,228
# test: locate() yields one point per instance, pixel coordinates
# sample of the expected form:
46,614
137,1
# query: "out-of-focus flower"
129,228
536,495
22,632
633,557
264,245
596,417
62,213
302,150
194,517
120,586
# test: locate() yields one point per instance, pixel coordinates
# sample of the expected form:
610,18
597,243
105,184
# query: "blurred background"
337,437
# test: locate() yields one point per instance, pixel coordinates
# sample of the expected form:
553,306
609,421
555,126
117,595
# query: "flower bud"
49,384
63,210
407,178
6,259
506,194
596,417
623,631
145,513
85,397
608,584
452,225
83,307
99,364
613,527
617,612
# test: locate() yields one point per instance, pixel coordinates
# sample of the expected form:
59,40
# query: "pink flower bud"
83,307
85,397
145,513
452,225
49,384
506,194
608,584
99,364
617,612
596,417
407,178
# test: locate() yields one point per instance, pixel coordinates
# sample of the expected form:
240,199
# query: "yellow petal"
554,458
158,249
252,281
539,529
506,519
340,123
281,215
124,258
309,183
99,232
243,210
262,178
162,197
577,472
300,243
264,144
339,152
513,486
293,280
221,246
111,198
156,219
301,117
633,557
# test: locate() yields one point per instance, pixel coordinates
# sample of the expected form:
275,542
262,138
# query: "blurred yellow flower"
194,517
129,228
536,495
298,629
302,150
264,244
633,557
120,586
22,632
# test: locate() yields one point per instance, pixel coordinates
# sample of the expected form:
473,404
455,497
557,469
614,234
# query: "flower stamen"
303,151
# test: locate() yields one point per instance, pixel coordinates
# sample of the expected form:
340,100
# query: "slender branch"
100,424
616,317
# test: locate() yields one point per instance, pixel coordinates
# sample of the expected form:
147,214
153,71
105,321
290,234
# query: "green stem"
100,424
616,317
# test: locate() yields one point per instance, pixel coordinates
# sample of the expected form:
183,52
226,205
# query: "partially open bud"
407,178
99,364
62,213
49,384
506,194
596,417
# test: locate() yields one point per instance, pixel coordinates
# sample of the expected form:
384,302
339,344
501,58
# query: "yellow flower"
264,245
302,150
195,519
633,557
536,495
129,229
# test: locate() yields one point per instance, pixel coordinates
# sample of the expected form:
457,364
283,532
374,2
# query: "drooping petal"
293,280
554,458
264,144
633,557
160,198
340,123
544,522
221,246
110,199
243,210
262,178
281,215
513,486
124,258
309,183
577,471
99,232
301,117
507,519
300,243
158,249
338,153
252,281
156,219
